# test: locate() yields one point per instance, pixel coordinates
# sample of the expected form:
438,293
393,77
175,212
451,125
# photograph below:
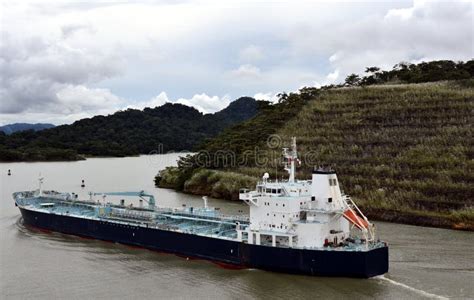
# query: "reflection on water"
424,262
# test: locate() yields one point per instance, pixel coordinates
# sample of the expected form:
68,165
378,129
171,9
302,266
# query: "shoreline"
82,157
408,218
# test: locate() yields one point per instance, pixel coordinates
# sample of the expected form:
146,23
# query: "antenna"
205,201
40,184
291,158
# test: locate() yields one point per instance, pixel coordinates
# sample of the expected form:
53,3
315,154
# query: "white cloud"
71,103
202,102
53,54
159,100
205,103
266,96
425,30
246,72
335,57
251,53
333,76
75,99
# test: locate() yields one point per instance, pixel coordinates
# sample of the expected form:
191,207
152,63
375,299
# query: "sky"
61,61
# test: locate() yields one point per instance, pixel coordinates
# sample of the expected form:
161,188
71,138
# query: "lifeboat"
355,219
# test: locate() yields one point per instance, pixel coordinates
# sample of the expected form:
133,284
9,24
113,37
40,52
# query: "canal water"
424,262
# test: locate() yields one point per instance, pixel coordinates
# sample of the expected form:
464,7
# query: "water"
424,262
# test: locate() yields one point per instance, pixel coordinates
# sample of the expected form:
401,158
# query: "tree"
282,97
372,69
352,79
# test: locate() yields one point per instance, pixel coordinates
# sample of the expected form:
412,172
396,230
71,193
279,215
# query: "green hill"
403,152
175,127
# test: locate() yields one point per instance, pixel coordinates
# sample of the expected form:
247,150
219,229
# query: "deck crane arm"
141,194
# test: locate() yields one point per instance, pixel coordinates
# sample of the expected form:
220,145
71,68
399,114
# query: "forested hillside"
404,152
175,127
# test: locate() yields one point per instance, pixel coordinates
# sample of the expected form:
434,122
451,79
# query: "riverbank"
419,218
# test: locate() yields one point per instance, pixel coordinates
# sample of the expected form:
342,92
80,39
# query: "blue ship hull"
363,264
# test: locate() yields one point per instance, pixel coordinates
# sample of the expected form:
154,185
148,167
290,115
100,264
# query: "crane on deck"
141,194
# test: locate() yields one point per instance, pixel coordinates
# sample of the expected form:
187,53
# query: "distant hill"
12,128
171,127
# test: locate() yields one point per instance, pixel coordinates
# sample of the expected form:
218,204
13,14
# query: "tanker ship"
294,226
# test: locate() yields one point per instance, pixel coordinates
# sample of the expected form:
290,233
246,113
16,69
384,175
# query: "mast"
40,185
291,159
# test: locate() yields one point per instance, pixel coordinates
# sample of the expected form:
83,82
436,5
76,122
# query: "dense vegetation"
238,141
403,151
217,184
171,127
414,73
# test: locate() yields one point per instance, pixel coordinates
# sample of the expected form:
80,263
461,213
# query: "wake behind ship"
294,226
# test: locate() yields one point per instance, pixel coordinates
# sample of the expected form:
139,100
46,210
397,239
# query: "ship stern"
376,262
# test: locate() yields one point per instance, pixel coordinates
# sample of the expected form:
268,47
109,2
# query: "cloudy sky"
65,60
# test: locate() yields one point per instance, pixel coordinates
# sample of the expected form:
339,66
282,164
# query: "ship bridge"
306,213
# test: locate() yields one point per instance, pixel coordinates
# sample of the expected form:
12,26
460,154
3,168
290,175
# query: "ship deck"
198,221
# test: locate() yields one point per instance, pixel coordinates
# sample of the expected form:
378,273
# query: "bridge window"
329,200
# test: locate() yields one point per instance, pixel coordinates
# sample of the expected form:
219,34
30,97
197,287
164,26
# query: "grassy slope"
403,152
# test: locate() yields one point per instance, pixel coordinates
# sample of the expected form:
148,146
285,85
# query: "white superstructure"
302,213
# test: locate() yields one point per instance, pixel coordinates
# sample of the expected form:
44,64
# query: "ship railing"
205,215
307,207
134,215
249,196
263,183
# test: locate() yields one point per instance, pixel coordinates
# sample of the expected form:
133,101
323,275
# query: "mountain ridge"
170,127
16,127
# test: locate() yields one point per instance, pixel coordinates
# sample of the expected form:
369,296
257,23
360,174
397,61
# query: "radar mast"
291,158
